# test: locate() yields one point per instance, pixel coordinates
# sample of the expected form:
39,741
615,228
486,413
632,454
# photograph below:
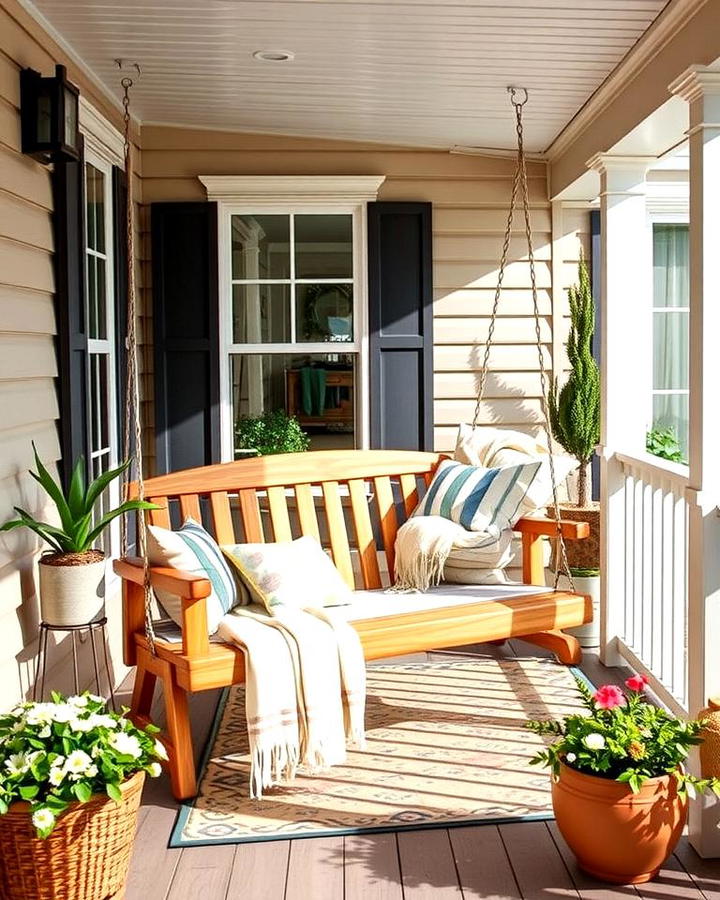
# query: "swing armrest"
192,591
183,584
542,527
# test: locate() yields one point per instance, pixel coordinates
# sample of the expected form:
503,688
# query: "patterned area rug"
446,745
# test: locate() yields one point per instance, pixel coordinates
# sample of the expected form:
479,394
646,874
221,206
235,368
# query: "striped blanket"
305,689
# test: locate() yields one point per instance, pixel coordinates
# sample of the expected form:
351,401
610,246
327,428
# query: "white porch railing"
652,623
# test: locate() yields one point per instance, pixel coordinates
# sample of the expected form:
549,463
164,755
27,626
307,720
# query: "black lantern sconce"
49,116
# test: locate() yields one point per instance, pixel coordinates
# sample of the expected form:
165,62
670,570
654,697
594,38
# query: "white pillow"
492,447
193,550
295,574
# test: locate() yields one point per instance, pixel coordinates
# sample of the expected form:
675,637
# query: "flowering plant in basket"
624,737
65,751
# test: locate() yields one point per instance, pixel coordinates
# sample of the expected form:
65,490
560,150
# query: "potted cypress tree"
72,571
574,412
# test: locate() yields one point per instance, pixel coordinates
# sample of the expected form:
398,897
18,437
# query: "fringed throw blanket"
423,545
305,689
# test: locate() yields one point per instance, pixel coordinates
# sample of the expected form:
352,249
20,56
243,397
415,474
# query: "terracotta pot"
616,835
86,856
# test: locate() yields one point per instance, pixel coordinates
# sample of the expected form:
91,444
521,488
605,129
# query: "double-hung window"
671,311
292,320
100,313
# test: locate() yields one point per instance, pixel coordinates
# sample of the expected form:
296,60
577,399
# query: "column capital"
613,162
695,83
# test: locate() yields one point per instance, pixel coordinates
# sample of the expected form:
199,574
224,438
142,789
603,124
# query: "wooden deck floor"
519,861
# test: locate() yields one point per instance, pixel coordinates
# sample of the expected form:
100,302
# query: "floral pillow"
297,574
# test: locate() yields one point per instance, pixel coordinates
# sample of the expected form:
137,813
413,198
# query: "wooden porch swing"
319,493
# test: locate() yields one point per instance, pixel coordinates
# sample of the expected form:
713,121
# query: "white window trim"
104,148
667,203
266,194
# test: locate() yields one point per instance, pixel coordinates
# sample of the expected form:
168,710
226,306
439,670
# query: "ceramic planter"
72,594
86,857
588,634
618,836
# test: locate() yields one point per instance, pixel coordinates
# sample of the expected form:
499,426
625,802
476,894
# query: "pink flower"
609,696
637,683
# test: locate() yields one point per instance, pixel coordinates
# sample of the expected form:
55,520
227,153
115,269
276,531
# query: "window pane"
99,401
261,313
323,247
95,198
670,351
318,389
92,292
324,312
672,411
260,247
671,265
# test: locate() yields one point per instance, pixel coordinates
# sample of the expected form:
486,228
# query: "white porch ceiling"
415,72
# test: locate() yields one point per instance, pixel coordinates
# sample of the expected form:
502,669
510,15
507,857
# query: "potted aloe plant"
72,571
72,776
619,786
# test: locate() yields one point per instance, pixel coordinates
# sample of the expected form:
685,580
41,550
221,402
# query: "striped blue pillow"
194,550
479,499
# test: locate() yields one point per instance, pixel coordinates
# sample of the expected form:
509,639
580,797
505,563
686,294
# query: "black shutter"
185,326
72,344
119,195
400,315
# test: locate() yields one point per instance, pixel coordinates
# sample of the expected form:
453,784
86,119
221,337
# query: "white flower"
160,750
44,732
127,744
62,712
91,771
594,741
570,757
81,725
102,720
17,764
56,776
40,714
43,818
78,700
18,726
77,762
154,769
96,699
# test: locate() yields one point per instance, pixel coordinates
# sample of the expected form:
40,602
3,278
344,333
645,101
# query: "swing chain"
520,181
132,438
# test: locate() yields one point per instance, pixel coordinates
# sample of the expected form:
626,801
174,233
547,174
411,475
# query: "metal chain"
521,180
133,424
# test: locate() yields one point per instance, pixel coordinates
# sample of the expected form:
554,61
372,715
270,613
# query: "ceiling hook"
121,64
513,91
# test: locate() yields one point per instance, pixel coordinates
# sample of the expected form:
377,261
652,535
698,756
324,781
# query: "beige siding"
28,364
469,196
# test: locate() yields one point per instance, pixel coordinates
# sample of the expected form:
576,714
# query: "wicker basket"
86,857
584,554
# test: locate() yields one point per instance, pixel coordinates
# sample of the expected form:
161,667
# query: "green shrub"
273,432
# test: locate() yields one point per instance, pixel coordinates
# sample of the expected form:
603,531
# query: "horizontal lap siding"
469,196
28,361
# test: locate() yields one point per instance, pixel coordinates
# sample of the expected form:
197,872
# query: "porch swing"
247,501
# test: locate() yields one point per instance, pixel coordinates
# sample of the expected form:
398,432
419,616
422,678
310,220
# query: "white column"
701,88
626,354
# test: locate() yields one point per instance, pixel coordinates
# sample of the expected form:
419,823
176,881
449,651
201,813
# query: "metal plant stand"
99,625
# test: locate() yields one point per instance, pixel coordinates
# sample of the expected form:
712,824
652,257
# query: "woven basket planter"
86,857
584,554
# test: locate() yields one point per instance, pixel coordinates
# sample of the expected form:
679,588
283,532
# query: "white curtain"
670,329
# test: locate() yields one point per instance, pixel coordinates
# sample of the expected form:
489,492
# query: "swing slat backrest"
346,499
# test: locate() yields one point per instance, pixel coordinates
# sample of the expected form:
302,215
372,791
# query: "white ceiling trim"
660,33
311,190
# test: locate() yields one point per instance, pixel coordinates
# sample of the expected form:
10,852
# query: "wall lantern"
49,116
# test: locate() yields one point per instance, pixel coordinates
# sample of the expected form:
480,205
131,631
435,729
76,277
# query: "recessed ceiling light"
274,55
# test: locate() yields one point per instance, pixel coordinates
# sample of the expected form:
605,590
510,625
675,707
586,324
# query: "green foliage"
574,410
663,442
630,742
54,754
273,432
78,529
